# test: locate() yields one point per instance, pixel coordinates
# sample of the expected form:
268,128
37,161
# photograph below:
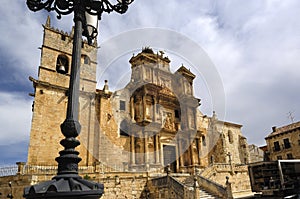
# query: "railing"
171,184
160,181
217,189
222,167
176,187
23,169
8,170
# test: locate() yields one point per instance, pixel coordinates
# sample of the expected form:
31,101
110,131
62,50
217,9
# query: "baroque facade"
151,125
153,122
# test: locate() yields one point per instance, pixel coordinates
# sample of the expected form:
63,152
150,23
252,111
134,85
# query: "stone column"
181,163
199,150
132,108
21,166
154,109
146,150
192,152
132,149
144,107
156,149
191,155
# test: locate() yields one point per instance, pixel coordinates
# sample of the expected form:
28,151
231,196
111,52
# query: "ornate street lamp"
67,183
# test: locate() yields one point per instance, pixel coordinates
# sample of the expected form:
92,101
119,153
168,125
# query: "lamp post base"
65,186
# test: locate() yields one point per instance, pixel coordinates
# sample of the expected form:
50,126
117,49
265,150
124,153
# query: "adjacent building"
283,143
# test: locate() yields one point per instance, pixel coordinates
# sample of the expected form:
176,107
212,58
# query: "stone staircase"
183,187
204,194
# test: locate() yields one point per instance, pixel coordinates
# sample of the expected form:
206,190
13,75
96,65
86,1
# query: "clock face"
62,64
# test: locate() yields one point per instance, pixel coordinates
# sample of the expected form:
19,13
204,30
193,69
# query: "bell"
62,69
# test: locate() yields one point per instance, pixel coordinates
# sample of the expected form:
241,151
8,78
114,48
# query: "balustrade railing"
171,184
160,181
213,187
176,187
52,169
9,170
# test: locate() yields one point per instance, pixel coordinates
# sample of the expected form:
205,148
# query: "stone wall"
116,185
238,177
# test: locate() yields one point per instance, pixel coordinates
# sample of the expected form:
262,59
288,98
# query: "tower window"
62,64
63,37
122,105
86,59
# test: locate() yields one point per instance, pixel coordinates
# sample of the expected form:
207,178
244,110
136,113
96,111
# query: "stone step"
205,195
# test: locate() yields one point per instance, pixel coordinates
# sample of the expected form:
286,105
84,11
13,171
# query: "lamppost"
10,195
67,183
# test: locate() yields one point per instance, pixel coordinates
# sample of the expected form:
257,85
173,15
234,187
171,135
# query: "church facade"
154,121
150,134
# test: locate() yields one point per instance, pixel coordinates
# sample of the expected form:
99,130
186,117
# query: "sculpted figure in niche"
169,122
138,108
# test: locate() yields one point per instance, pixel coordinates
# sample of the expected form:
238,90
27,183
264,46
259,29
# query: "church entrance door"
170,157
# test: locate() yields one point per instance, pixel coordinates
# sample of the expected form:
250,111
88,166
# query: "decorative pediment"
166,91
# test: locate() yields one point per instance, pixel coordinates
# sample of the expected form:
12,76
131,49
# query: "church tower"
50,98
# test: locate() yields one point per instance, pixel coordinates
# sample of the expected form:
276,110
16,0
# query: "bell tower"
50,97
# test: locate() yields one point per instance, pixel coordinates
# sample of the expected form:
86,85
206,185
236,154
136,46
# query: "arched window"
62,64
86,59
230,136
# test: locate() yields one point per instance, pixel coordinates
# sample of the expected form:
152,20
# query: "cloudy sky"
253,45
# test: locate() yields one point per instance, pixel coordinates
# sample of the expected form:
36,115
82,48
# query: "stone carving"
169,122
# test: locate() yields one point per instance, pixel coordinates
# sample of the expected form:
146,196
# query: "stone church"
151,125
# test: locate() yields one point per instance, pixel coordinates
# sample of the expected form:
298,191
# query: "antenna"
291,116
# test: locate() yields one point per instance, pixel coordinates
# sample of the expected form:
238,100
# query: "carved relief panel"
168,121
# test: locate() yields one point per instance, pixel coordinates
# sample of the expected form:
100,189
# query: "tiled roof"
284,129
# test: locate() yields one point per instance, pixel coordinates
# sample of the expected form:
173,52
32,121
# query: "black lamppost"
10,195
67,183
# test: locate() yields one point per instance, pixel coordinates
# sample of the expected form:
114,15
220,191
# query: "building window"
289,156
287,144
276,146
298,142
279,157
122,105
